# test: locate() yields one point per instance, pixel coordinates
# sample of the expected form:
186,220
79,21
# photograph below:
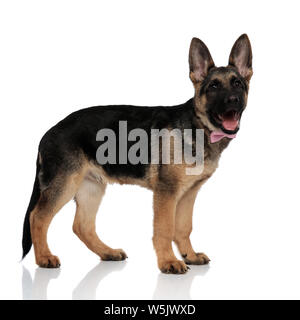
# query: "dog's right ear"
200,60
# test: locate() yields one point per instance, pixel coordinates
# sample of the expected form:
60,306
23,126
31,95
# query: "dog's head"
221,92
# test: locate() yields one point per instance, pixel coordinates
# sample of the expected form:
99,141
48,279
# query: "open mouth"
229,120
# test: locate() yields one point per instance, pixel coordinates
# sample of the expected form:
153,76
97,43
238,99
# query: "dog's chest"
201,174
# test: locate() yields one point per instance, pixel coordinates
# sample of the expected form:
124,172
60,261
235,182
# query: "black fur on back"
77,134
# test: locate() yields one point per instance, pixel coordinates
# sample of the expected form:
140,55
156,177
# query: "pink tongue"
230,124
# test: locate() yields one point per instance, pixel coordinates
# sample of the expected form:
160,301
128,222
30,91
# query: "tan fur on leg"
164,226
183,227
52,199
88,199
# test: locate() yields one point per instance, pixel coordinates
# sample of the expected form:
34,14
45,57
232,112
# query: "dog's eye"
214,85
237,83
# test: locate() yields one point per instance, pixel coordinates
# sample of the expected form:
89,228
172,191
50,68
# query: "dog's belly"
99,174
171,175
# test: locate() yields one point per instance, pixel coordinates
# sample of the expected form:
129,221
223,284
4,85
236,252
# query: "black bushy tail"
27,241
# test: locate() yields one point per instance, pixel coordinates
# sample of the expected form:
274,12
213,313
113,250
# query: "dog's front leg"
183,227
164,228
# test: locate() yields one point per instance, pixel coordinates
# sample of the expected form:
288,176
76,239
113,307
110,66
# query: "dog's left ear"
241,56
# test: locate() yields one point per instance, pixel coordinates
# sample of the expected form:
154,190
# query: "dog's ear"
200,60
241,56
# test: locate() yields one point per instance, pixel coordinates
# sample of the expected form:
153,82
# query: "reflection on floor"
86,289
37,289
167,286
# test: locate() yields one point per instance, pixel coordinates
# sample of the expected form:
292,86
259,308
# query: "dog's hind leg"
183,228
60,191
88,199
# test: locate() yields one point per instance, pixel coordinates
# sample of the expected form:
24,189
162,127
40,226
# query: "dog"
67,168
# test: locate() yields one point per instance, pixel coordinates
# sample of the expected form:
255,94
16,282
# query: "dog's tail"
27,241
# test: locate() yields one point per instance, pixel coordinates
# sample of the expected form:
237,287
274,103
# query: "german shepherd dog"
66,166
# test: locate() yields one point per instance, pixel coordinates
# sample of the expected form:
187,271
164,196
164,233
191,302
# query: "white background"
60,56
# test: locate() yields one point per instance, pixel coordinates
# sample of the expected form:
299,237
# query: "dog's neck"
212,149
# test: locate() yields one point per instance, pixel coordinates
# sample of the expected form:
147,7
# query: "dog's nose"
233,99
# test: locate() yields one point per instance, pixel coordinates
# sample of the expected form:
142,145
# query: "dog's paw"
114,255
174,267
197,258
48,261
